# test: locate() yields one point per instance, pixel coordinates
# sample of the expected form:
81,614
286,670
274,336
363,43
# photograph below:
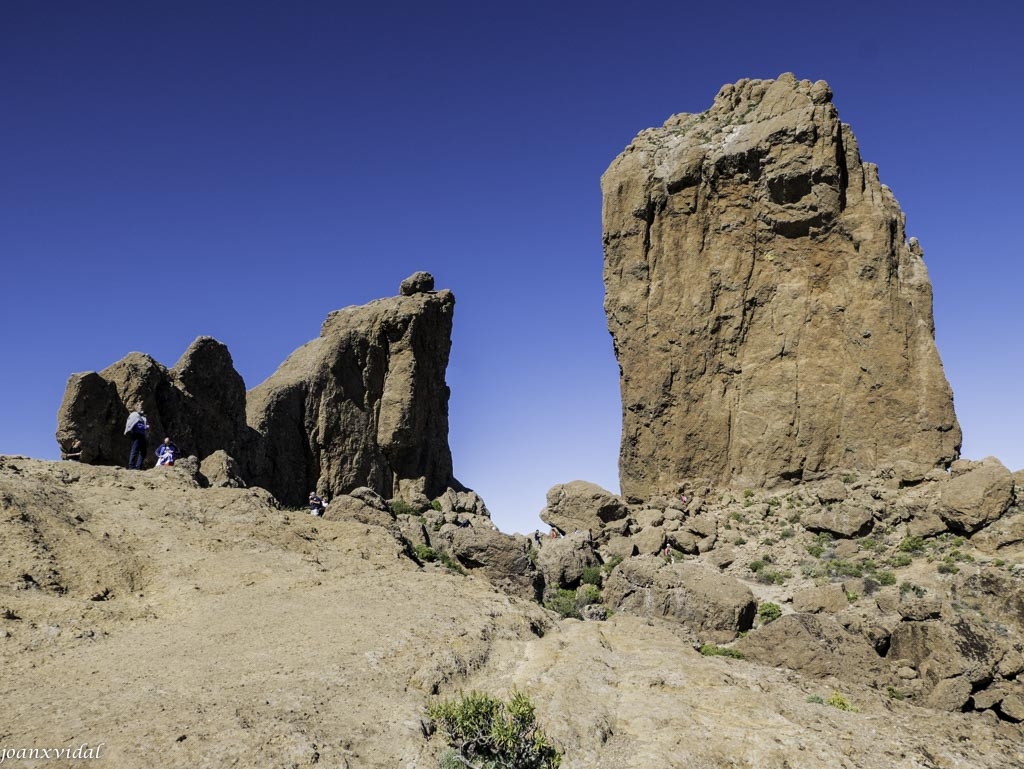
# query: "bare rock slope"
178,626
769,315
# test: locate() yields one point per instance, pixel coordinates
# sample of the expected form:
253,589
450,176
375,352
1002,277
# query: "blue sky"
240,169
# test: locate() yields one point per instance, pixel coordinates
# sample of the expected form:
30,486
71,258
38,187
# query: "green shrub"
591,576
490,734
450,563
587,594
899,560
912,545
816,699
435,504
894,693
758,565
611,563
787,533
425,553
838,701
842,568
886,578
563,602
907,587
710,650
769,612
401,507
815,550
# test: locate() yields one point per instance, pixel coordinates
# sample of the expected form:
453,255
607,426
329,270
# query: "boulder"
563,560
464,501
975,497
713,606
346,508
817,646
649,541
220,469
417,283
844,520
763,297
947,650
827,598
503,558
831,490
582,506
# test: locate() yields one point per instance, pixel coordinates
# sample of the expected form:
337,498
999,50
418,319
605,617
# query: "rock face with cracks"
769,315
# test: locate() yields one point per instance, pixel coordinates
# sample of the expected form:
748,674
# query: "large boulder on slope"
713,606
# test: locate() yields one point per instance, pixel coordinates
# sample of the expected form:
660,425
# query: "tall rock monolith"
769,316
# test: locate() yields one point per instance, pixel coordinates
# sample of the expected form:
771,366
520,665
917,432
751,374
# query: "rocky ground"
185,626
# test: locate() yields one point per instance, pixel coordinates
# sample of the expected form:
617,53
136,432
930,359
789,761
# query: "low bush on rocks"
769,612
710,650
487,733
568,603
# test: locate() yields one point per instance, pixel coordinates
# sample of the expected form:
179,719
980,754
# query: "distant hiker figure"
316,505
137,428
166,453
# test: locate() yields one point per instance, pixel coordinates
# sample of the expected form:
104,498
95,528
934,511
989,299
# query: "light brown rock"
816,645
828,598
712,606
977,495
841,520
582,506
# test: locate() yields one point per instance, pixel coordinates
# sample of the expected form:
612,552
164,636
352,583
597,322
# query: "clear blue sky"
176,168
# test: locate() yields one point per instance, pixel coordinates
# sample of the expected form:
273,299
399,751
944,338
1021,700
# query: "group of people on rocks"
137,429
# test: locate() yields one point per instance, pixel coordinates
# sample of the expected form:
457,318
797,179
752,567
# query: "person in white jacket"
138,429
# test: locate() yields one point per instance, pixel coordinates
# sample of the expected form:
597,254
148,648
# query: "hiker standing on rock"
138,428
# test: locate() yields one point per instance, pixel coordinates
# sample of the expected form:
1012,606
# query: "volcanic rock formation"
364,404
769,316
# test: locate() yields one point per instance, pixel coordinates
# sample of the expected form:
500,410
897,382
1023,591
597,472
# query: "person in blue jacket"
166,453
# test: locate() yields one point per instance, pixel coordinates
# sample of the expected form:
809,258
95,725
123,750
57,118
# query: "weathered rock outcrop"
200,403
769,316
365,404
